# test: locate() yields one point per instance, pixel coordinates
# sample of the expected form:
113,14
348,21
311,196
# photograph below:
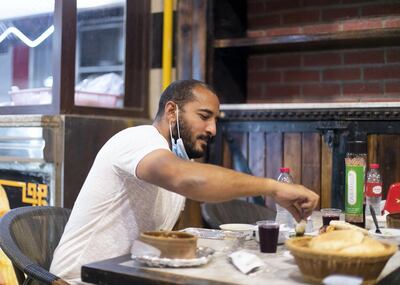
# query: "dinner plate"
204,254
238,227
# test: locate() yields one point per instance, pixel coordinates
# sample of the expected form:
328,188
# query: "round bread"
336,240
342,225
367,247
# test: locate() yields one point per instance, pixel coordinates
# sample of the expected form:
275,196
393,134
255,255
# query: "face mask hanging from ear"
178,147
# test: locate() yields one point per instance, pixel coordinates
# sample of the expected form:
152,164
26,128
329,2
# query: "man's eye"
203,117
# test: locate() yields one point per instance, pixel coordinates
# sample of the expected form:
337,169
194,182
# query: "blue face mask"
177,146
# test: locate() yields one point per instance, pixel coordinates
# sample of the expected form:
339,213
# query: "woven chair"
29,236
234,211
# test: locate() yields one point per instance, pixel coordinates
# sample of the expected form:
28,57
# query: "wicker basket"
315,265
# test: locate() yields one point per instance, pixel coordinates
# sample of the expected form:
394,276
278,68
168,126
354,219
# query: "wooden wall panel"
292,154
257,153
326,176
226,156
372,149
311,161
274,154
389,159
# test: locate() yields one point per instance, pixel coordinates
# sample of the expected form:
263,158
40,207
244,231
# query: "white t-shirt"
114,206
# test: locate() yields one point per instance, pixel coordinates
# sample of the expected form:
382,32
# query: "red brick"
391,23
283,31
254,90
255,62
364,24
255,8
364,57
265,76
311,3
264,21
381,9
382,72
393,55
280,60
300,75
279,5
341,74
301,17
339,13
282,90
321,28
321,90
362,88
321,59
392,87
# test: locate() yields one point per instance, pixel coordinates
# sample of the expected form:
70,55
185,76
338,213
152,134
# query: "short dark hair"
180,92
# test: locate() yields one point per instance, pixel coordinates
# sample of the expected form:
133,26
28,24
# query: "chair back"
29,236
234,211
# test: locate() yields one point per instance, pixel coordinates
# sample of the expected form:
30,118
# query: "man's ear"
170,111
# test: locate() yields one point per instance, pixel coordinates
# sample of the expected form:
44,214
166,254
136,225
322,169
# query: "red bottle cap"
374,166
284,169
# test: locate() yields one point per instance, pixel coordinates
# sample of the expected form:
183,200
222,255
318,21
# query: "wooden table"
280,269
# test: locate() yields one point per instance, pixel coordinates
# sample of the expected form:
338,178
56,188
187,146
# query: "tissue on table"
246,262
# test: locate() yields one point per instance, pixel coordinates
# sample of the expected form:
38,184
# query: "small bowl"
393,220
172,244
369,222
388,235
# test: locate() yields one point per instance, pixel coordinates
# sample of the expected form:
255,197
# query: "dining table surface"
279,268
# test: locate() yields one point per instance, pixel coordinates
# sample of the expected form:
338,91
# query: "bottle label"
354,192
373,189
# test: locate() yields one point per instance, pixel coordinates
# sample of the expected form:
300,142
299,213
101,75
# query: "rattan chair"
234,211
29,236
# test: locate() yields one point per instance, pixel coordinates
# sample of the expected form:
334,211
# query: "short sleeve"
131,147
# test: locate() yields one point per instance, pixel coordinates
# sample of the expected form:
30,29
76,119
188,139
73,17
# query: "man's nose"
212,128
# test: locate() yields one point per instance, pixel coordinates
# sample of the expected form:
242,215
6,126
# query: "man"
124,193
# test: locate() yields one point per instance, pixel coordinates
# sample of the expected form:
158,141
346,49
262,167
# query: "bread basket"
172,244
316,265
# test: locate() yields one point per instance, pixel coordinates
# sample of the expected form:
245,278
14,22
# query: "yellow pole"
167,44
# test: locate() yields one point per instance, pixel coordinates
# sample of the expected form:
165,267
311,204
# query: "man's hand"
297,199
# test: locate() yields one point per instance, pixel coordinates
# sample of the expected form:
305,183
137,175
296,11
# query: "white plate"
204,255
238,227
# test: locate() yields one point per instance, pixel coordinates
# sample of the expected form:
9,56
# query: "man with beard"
141,176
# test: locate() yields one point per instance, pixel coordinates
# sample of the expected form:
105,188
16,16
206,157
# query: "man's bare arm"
206,182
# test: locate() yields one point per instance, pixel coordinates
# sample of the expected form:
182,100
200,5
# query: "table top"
280,268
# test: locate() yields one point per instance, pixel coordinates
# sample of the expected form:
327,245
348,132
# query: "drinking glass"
268,233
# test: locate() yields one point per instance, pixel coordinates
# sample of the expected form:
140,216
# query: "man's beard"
188,141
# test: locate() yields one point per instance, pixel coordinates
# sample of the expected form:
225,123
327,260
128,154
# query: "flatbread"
336,240
367,247
342,225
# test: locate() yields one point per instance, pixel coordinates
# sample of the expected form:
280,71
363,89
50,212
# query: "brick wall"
270,13
338,75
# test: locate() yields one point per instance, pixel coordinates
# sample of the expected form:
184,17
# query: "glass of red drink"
268,232
329,214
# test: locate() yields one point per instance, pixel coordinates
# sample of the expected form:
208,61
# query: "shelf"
375,31
331,40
